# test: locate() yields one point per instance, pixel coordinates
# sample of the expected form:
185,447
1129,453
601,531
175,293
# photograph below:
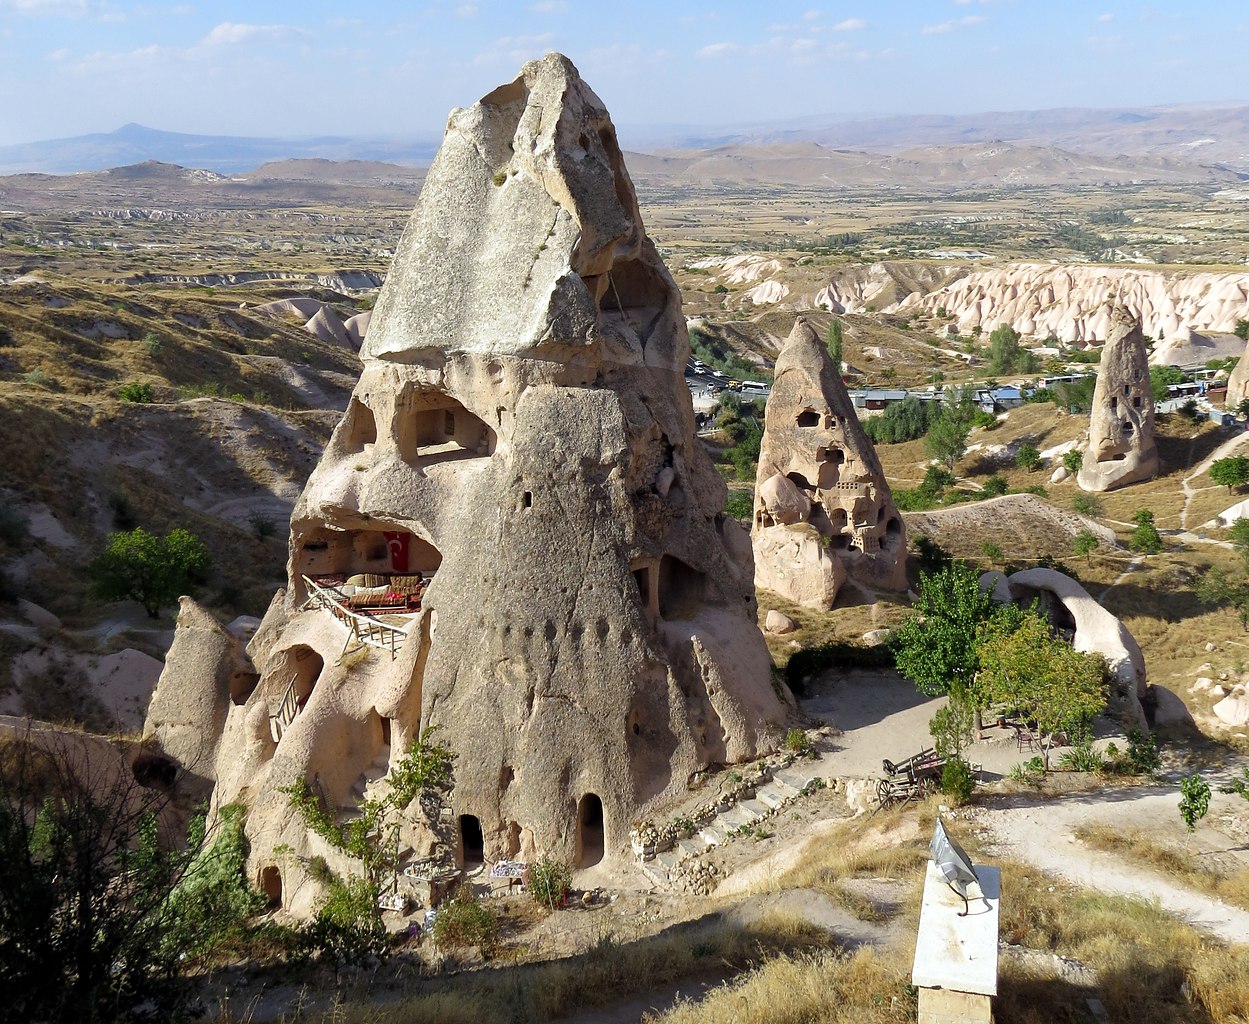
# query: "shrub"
549,881
983,419
1073,459
905,421
1143,755
152,342
1027,457
957,781
797,741
1194,801
464,922
1086,505
994,487
1082,758
1145,538
347,927
739,505
263,525
991,551
932,556
134,391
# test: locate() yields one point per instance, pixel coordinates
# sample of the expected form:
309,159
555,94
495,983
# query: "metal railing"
363,629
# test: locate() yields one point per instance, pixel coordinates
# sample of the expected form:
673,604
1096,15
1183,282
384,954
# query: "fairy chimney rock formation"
823,510
1121,448
1238,382
516,502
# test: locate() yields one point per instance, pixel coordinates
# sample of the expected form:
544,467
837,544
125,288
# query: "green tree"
105,909
1025,666
155,571
936,647
1194,800
1230,472
1027,457
834,343
1242,408
1161,377
903,421
1085,543
946,440
1220,590
1073,460
1238,534
1144,538
1241,330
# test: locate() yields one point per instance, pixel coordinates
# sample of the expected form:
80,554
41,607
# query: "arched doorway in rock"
590,831
472,842
271,884
303,669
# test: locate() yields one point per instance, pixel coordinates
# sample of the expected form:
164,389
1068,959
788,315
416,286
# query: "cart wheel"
884,793
927,785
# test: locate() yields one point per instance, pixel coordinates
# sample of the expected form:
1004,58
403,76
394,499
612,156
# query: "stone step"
693,846
668,860
754,809
656,874
734,817
712,835
795,779
773,795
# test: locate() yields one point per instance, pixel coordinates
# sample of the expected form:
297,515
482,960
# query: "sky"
385,67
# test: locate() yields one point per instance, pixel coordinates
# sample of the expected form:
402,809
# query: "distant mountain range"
225,154
1194,143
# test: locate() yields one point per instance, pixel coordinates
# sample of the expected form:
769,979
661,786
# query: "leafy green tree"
936,647
1230,472
155,571
946,440
1027,457
1073,460
995,486
1025,666
1161,377
1006,355
1085,543
1242,408
1145,538
1086,505
1241,330
1220,590
903,421
1194,801
834,342
1238,534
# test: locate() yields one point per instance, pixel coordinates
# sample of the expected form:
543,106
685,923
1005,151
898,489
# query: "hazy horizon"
382,68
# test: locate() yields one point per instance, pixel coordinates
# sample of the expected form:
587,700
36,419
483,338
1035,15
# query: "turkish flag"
398,541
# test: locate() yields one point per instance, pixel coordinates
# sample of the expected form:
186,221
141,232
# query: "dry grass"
607,972
1231,886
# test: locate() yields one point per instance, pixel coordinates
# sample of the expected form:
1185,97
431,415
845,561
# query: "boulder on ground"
778,622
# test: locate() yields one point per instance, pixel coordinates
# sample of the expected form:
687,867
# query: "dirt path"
1042,832
1221,452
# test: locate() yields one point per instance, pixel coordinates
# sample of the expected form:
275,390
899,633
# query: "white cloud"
58,55
230,32
811,15
1106,17
466,11
954,23
717,50
515,49
550,7
850,25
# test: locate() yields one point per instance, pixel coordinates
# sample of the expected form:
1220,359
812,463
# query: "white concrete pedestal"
956,957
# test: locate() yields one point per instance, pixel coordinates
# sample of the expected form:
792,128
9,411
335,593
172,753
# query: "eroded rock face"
1238,382
517,486
1121,447
822,507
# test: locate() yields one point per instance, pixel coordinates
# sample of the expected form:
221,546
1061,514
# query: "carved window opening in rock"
635,294
359,427
370,570
271,884
434,427
1127,426
472,842
152,771
808,418
302,668
383,730
645,576
682,589
242,685
801,481
528,499
590,831
1114,404
893,534
1136,402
